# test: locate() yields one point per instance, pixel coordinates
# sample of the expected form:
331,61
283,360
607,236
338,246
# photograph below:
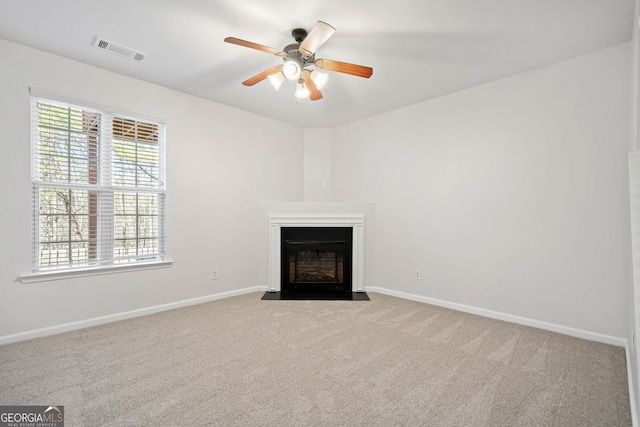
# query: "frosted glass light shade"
291,70
277,79
320,79
301,90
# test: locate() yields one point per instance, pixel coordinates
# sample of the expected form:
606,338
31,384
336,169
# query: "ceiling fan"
300,60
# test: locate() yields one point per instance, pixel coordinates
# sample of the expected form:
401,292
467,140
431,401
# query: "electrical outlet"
214,274
418,275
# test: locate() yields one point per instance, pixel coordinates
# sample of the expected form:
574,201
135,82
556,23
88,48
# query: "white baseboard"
566,330
66,327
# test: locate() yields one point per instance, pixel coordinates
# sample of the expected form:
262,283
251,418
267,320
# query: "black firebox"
316,259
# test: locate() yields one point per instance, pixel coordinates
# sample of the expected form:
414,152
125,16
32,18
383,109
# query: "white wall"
317,165
510,197
219,172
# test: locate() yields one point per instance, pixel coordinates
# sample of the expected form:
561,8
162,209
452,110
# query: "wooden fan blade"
314,93
256,46
344,67
263,75
319,34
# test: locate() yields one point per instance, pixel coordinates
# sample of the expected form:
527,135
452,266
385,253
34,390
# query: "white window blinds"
98,182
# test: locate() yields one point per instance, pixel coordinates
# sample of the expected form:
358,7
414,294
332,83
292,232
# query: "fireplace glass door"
316,259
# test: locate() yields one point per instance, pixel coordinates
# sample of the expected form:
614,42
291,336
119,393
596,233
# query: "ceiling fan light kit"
277,79
292,69
320,79
299,60
301,90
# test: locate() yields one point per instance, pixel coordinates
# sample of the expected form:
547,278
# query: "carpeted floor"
386,362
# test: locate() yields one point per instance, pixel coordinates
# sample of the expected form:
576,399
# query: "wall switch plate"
418,275
214,274
309,183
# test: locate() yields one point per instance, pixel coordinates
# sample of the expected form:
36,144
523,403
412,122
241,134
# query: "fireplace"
353,222
316,259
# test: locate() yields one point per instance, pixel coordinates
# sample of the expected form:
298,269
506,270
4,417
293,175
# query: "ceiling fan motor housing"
293,50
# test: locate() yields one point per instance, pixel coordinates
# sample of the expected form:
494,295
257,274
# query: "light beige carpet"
386,362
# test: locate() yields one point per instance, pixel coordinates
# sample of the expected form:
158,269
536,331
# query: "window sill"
46,276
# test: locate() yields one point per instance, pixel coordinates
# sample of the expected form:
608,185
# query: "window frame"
101,234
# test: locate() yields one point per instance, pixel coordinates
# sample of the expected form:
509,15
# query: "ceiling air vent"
118,49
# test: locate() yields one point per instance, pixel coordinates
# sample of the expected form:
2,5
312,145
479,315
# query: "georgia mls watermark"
31,416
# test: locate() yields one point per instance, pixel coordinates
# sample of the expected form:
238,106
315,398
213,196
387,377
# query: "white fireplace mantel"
277,221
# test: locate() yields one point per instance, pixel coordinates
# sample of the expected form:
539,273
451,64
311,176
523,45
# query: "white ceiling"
419,49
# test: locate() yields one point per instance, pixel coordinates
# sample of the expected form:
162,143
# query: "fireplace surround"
355,223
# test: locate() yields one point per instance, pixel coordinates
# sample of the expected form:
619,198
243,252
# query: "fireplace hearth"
316,260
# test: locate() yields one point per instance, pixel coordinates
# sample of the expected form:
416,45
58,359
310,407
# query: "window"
98,182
